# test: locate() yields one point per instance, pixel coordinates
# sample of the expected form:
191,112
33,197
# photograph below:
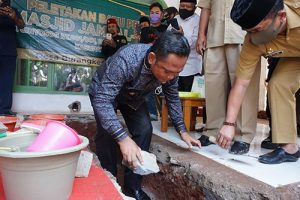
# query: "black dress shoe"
9,113
137,194
267,143
201,130
278,156
239,148
205,140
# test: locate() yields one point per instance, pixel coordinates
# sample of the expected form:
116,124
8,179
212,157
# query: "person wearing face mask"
188,21
187,8
144,22
10,18
221,40
149,35
273,28
113,41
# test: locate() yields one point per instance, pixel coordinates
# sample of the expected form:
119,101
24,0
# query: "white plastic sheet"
199,86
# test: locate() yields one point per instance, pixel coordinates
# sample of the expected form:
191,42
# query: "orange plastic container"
9,122
55,117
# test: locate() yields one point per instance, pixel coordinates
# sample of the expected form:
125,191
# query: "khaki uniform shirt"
289,44
221,29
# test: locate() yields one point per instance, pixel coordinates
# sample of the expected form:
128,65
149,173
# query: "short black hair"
249,13
171,10
171,43
144,19
156,4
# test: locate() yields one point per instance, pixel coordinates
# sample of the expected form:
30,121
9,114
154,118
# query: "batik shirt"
8,38
125,78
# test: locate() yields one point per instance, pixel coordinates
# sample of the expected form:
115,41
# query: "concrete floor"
213,173
247,164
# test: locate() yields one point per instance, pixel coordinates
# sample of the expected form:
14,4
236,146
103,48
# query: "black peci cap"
249,13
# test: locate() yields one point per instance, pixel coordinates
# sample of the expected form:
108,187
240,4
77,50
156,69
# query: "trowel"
214,140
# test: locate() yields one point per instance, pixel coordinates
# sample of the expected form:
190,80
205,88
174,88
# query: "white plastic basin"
38,175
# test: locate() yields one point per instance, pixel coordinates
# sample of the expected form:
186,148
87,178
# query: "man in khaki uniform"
273,30
223,39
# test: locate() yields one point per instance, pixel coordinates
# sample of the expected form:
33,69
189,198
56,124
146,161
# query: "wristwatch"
229,123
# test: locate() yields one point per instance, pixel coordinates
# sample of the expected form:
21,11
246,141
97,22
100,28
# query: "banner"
71,31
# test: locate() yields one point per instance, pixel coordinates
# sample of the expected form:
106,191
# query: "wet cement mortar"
189,176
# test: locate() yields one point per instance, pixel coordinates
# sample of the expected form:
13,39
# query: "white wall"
174,3
48,103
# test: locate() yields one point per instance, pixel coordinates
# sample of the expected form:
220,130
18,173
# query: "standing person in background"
150,35
267,143
113,40
9,19
222,39
73,82
169,14
144,22
156,28
188,21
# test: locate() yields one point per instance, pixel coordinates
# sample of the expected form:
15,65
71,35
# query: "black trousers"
140,127
185,83
7,74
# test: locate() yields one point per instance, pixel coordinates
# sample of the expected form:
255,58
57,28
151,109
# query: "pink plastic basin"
55,135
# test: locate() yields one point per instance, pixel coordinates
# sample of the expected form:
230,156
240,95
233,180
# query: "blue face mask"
154,18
